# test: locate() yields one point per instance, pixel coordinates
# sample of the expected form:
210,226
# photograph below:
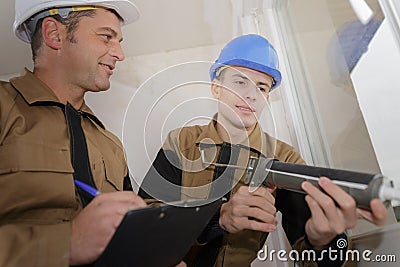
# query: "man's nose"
252,92
117,52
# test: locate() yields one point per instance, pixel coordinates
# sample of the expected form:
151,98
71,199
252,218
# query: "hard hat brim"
274,73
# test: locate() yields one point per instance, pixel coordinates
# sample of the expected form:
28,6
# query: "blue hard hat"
251,51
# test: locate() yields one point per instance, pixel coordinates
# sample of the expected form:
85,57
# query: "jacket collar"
210,134
36,92
32,89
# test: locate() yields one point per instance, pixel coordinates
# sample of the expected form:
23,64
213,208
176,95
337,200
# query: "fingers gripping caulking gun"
363,187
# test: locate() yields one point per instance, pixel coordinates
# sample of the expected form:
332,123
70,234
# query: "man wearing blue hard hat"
243,76
49,137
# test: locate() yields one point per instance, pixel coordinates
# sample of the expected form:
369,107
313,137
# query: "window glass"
324,41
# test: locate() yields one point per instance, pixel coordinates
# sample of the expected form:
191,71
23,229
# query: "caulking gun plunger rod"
363,187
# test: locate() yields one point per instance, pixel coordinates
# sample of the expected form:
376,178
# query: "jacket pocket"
37,183
27,156
115,171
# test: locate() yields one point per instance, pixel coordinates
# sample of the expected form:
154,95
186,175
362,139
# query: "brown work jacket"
38,199
179,162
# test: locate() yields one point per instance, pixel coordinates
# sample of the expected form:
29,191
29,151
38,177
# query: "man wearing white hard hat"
50,140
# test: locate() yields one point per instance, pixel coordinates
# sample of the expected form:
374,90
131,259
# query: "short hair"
219,75
70,22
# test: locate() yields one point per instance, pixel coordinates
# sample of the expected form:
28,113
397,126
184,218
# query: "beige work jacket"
238,249
38,198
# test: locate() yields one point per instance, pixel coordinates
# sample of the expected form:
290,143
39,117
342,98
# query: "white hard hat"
24,9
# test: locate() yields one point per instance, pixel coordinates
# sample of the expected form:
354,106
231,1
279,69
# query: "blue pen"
85,187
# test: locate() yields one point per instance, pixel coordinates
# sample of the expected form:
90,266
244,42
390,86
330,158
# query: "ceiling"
163,26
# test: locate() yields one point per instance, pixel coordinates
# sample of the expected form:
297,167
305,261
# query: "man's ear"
52,32
216,89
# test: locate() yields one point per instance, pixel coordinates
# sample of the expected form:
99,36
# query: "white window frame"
307,134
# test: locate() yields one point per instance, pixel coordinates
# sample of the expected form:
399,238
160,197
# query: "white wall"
7,77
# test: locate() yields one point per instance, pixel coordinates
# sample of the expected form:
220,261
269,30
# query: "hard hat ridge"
251,51
25,9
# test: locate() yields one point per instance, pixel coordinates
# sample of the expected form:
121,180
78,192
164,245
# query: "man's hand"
249,210
333,212
378,214
94,226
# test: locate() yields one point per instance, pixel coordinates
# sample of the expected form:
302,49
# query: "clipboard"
158,236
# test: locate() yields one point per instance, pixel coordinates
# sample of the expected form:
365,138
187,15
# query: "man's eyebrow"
111,31
246,78
240,76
